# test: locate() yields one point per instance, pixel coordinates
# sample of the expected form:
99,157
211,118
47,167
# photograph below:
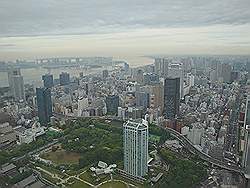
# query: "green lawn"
62,157
113,184
87,177
154,138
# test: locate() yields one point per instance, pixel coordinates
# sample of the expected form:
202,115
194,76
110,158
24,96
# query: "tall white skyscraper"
135,143
16,84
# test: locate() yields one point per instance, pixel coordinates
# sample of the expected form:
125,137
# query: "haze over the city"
31,28
124,93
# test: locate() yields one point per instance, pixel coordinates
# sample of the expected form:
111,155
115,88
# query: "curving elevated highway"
189,145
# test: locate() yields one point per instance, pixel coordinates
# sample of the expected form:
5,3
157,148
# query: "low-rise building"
29,135
8,169
7,135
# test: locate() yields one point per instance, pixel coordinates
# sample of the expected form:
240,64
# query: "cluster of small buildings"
10,136
192,95
9,170
207,118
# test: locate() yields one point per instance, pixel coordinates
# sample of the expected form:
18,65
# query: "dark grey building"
139,76
64,78
112,103
142,99
126,66
44,104
105,73
48,80
171,97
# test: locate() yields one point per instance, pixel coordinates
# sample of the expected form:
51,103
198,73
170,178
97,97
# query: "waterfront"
33,75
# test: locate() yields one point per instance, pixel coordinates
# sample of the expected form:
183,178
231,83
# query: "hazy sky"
43,28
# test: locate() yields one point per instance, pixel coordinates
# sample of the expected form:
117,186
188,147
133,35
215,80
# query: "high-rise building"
142,99
48,80
171,97
139,76
157,64
44,105
235,75
195,134
175,71
165,67
226,73
64,78
16,84
135,143
105,73
161,66
83,104
156,95
126,66
112,103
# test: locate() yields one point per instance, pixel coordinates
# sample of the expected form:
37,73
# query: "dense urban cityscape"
179,122
124,94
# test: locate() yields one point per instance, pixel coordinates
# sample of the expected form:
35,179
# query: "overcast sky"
40,28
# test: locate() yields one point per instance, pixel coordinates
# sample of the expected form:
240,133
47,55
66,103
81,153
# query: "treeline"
94,141
182,172
164,135
109,156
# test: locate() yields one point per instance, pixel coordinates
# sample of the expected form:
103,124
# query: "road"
189,145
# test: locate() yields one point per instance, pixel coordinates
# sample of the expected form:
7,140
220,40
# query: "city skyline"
123,29
108,93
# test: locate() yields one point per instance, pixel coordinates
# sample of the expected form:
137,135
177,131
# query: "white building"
135,142
161,66
16,84
29,135
83,104
185,130
121,113
195,134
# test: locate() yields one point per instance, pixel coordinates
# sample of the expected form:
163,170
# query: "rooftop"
7,167
27,181
138,123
